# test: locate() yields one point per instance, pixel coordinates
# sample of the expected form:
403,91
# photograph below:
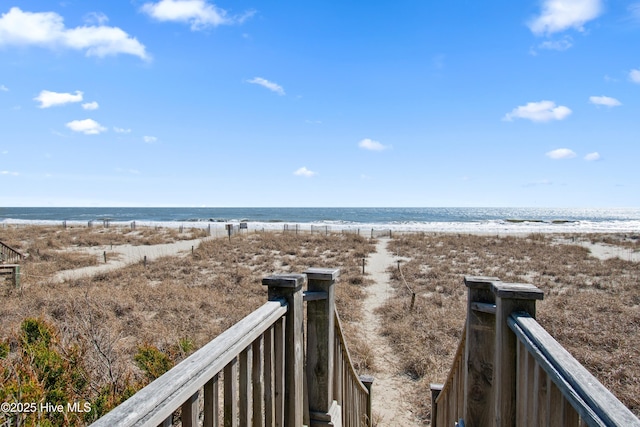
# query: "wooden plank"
530,389
279,372
540,385
162,397
554,404
570,417
269,390
231,394
211,403
258,382
245,398
521,385
190,411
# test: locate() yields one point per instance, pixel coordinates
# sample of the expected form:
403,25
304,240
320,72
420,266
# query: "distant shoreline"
498,227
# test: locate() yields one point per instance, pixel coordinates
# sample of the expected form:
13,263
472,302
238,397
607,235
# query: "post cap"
517,291
322,273
480,282
284,280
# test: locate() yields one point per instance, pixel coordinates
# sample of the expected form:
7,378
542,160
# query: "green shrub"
152,361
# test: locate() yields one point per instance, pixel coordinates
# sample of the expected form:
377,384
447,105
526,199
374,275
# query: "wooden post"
363,261
289,287
367,380
510,297
478,358
436,389
320,346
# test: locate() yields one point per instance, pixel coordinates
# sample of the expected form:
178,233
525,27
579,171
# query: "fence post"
289,287
510,297
323,409
479,353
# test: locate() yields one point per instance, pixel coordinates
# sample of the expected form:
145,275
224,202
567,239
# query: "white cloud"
561,153
274,87
90,105
86,126
604,100
47,29
49,99
370,144
9,173
3,88
199,14
96,18
303,171
560,15
121,130
592,157
538,183
542,111
634,76
560,45
149,139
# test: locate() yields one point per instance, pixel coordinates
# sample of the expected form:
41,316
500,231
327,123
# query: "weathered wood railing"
514,373
260,362
352,392
8,254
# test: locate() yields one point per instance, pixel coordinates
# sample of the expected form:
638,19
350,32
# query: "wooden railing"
515,373
260,363
8,254
352,392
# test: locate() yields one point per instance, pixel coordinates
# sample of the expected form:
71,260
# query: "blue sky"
320,103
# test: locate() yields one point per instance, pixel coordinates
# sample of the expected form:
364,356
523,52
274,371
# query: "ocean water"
482,220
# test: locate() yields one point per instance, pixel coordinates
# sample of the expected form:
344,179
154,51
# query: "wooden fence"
254,373
509,371
8,254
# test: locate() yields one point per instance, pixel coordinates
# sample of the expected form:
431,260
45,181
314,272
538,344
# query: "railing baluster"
211,403
540,390
245,387
554,404
279,370
258,382
570,417
269,390
190,411
230,394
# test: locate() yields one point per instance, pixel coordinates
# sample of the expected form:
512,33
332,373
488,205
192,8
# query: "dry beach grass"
591,306
175,304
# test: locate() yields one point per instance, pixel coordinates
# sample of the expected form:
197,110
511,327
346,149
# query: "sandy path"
390,386
122,255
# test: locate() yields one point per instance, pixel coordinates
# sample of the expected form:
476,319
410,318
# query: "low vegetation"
99,339
591,306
